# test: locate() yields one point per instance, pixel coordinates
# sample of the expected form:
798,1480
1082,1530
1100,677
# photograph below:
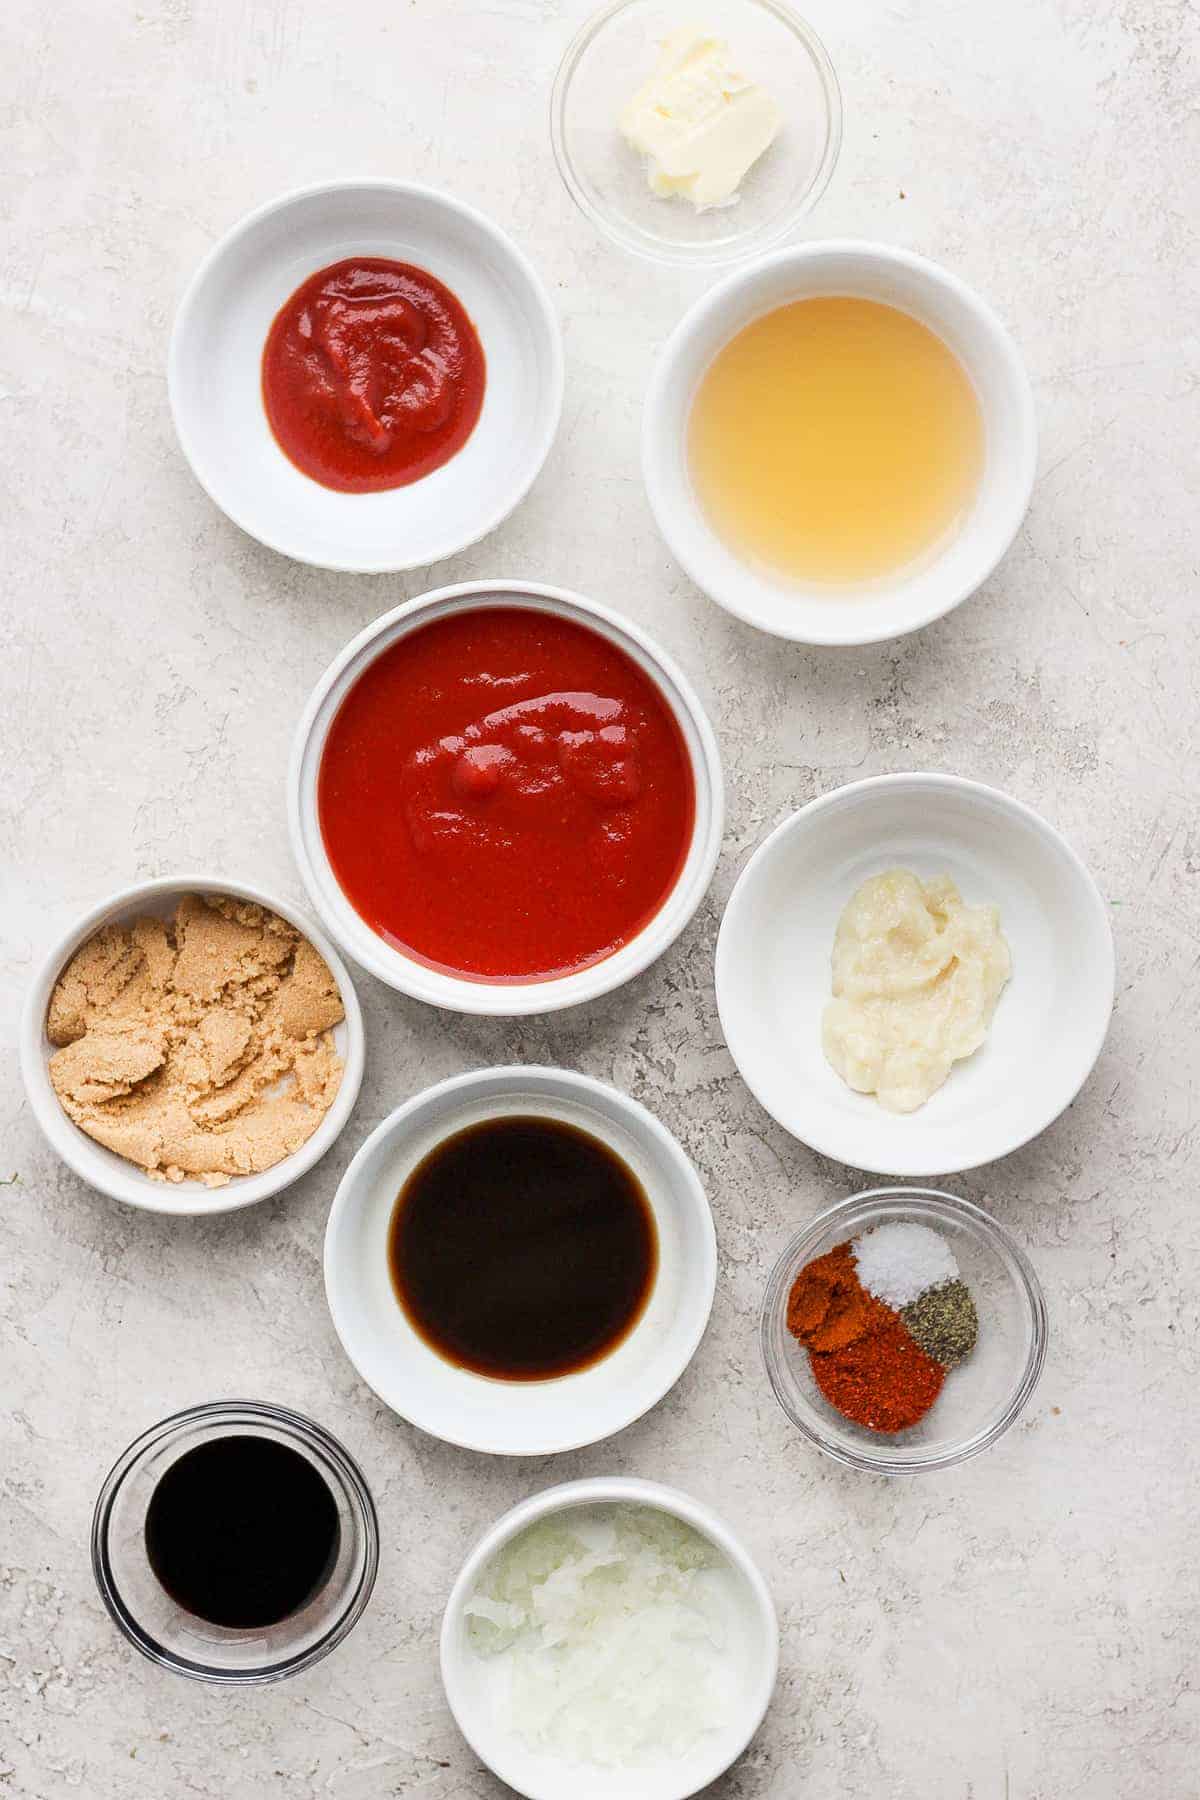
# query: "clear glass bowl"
180,1641
981,1398
615,53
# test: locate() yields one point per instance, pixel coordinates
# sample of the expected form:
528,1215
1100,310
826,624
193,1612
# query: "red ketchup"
505,795
372,375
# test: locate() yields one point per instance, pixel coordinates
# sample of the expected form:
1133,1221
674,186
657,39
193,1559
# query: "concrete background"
1022,1629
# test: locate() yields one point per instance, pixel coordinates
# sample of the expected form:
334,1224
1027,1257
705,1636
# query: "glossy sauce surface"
372,375
523,1248
505,795
242,1531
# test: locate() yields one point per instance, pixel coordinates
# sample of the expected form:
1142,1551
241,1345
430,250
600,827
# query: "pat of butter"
699,122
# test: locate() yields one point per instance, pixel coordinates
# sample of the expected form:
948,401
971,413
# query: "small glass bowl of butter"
696,131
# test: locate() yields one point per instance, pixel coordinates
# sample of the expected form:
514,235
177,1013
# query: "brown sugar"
200,1045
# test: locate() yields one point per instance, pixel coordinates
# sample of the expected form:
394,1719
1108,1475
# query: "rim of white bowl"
697,256
382,184
499,999
125,1181
520,1075
918,1170
655,453
600,1490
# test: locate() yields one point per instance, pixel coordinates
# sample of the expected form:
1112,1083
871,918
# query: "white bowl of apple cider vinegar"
839,443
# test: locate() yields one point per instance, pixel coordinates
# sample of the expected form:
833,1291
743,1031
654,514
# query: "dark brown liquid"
522,1248
242,1531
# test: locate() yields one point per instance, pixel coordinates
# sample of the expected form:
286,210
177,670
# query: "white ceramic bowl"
616,51
526,1418
773,970
888,609
465,1675
455,992
104,1169
214,375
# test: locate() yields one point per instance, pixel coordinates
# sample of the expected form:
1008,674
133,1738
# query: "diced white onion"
612,1632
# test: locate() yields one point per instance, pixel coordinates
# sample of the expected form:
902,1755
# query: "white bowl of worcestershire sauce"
504,798
520,1261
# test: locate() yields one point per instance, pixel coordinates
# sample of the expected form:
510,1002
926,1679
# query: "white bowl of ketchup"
370,389
504,798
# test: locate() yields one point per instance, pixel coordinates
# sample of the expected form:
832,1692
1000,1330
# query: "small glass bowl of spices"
903,1330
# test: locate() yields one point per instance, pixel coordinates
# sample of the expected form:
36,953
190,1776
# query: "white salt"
899,1260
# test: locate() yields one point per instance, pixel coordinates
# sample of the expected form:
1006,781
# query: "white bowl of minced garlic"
192,1045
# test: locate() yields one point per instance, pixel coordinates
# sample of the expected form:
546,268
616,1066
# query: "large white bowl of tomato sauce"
504,798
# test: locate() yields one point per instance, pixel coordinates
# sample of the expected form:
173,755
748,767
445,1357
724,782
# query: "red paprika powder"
864,1358
828,1306
883,1380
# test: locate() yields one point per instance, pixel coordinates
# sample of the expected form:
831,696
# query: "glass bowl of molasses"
235,1543
934,1362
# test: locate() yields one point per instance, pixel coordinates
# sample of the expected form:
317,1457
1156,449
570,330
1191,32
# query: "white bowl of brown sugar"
192,1045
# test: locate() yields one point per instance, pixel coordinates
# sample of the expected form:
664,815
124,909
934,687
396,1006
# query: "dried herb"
944,1322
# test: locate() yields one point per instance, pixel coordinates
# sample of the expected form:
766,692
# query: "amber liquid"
836,441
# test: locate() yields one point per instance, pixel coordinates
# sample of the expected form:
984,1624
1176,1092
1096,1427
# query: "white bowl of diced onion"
533,1718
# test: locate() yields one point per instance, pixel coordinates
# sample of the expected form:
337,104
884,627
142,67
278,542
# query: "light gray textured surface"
1023,1629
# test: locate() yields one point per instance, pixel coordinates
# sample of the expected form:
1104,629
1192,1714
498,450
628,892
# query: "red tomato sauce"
372,375
505,795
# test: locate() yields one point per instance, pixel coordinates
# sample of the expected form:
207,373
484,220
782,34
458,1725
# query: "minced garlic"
916,977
